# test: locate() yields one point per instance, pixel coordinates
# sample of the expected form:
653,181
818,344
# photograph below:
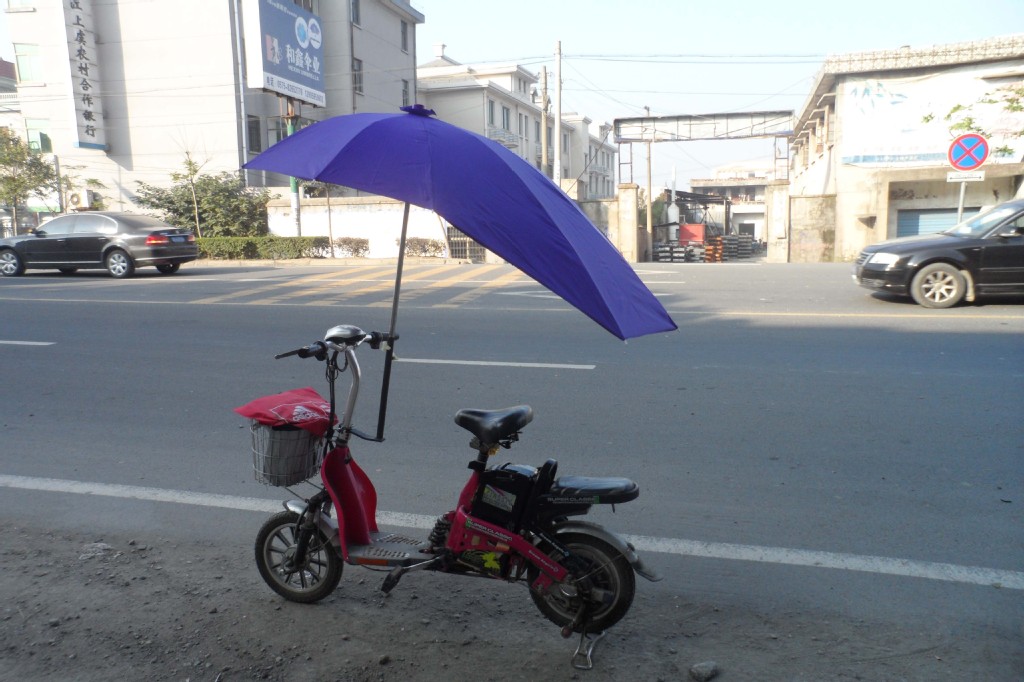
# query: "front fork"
306,526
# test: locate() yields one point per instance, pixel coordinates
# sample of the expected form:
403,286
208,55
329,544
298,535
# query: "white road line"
971,575
538,365
27,343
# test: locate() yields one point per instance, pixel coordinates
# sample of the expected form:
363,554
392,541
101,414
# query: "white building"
744,185
122,91
504,103
870,155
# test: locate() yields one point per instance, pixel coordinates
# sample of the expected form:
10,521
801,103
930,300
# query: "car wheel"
11,264
939,285
68,271
168,268
120,264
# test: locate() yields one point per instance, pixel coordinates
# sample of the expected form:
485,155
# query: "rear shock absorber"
439,535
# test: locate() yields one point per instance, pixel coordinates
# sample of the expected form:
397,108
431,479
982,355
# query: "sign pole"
960,206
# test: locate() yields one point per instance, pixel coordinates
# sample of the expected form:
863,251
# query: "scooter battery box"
502,494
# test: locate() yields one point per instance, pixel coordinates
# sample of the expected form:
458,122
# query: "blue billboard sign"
284,50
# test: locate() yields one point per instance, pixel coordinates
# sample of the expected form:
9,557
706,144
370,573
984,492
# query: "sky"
687,57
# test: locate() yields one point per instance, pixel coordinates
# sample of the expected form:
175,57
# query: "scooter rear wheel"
275,547
599,574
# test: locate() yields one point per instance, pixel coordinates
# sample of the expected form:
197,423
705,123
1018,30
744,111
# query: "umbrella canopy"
488,193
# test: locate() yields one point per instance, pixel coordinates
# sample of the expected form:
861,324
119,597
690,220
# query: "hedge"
263,248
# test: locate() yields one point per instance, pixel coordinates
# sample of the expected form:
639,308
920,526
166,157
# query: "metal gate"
463,247
928,220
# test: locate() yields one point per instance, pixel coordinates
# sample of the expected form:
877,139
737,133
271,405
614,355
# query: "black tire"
68,271
600,573
275,544
119,264
11,264
939,285
168,268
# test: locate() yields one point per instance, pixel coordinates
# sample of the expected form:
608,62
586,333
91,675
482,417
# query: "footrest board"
389,550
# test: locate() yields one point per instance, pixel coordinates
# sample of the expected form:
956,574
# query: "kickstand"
582,660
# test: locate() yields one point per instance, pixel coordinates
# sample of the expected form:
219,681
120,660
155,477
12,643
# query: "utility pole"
556,175
544,104
650,224
293,182
60,184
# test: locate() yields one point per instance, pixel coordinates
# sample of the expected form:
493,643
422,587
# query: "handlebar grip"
317,350
379,338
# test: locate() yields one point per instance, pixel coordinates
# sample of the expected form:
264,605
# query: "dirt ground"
122,608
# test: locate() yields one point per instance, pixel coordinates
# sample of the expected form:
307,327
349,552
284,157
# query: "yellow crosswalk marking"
464,274
389,285
250,291
477,292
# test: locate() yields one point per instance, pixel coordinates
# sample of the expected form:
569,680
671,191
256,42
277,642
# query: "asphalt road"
797,441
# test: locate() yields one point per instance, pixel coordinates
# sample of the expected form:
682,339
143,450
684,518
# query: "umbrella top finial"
419,110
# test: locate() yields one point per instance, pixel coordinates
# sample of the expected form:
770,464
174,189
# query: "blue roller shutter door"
928,220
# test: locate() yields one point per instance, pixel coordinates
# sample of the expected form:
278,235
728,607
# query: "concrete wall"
376,219
812,229
379,220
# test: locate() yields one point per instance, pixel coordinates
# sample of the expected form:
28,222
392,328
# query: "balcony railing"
504,137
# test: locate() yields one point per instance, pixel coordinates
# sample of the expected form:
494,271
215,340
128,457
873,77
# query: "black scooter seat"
491,426
600,490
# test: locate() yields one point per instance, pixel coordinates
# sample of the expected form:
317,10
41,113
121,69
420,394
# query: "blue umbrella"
487,192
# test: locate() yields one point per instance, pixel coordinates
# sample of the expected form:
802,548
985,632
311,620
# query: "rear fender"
601,533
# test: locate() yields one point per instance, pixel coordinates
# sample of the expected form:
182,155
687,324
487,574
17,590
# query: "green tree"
217,205
23,173
1008,100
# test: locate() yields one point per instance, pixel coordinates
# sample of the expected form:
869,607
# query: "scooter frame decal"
517,544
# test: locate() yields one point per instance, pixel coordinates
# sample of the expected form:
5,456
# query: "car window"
983,222
144,222
95,224
1015,224
64,224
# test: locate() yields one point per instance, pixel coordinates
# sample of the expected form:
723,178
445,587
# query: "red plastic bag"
300,407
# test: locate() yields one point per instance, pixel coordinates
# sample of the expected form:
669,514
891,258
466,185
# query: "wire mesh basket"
284,455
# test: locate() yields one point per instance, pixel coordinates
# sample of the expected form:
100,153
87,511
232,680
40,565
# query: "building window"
27,59
308,5
405,93
252,132
506,119
357,75
38,138
490,112
354,7
277,128
405,36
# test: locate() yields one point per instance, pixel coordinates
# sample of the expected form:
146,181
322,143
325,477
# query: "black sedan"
982,255
119,242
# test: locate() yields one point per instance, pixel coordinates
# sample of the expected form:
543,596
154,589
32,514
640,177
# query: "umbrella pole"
390,354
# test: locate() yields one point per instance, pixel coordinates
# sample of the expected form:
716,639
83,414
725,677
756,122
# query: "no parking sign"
968,152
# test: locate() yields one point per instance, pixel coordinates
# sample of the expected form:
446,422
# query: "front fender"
601,533
328,525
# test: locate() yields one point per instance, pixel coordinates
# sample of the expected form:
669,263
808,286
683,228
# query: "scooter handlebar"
317,349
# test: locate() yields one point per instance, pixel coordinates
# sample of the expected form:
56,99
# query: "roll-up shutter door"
928,220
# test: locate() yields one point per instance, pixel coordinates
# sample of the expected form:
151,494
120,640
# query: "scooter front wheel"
314,579
599,576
